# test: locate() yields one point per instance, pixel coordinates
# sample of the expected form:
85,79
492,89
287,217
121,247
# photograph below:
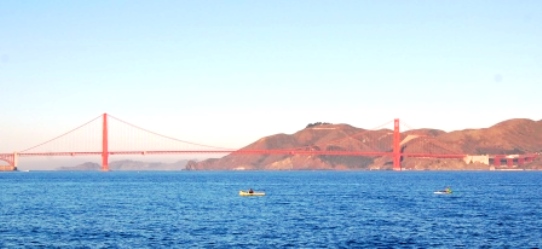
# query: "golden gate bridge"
97,142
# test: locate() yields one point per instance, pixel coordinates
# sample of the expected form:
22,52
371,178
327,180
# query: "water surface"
301,209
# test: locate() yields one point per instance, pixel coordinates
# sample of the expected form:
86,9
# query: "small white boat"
253,193
446,191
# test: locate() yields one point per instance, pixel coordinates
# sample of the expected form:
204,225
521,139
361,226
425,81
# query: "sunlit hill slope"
511,137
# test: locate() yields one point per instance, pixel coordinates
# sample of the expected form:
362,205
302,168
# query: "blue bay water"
301,209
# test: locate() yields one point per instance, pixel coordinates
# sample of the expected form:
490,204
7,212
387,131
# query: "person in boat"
448,190
250,191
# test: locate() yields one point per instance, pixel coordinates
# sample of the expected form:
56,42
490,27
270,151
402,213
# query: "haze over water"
301,209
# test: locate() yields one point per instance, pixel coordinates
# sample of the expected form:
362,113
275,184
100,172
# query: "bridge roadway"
395,151
253,152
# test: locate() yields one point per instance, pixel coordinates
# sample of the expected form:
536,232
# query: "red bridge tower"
105,150
396,145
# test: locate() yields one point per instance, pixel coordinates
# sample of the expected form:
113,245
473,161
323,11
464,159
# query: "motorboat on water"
251,193
445,191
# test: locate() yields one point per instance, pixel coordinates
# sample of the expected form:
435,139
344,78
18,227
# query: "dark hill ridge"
129,165
515,136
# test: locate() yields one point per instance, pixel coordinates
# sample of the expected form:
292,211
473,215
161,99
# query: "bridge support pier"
15,160
11,159
497,161
509,162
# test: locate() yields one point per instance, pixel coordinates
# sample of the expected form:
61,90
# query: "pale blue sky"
226,73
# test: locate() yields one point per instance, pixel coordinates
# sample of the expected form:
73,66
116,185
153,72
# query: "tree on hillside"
317,124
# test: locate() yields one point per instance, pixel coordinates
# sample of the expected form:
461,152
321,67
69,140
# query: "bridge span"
395,151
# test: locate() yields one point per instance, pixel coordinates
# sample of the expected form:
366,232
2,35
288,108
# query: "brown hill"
515,136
